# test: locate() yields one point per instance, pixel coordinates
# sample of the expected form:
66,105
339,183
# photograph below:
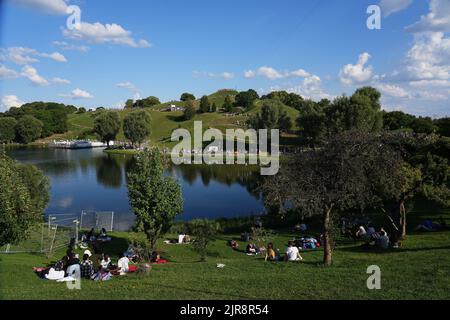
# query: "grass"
419,270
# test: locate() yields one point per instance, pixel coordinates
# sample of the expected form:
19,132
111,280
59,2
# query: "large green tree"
7,129
351,170
155,199
107,126
187,96
246,99
28,129
137,126
272,116
23,197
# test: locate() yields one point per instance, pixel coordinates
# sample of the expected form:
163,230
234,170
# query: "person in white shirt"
361,232
292,253
122,264
105,262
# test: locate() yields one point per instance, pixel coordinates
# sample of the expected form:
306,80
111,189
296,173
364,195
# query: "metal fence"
59,231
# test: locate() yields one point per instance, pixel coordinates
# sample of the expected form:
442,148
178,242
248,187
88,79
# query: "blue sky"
136,48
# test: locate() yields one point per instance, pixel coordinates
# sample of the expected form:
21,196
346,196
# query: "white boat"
79,144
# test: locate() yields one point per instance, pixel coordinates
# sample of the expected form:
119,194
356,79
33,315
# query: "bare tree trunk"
403,218
327,241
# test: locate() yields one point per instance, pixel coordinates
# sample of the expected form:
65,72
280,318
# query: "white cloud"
57,80
389,7
105,33
6,73
32,74
273,74
47,6
309,88
9,101
392,90
63,45
356,74
223,75
437,19
24,56
130,87
78,94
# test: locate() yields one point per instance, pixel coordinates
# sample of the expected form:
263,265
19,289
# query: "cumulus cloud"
9,101
392,90
32,74
24,56
130,87
78,94
437,19
58,7
389,7
105,33
358,73
273,74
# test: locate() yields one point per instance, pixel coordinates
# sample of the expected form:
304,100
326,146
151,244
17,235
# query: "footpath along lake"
91,180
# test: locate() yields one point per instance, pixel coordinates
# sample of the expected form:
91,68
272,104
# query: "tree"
81,110
19,208
424,125
272,116
137,126
397,120
154,198
7,129
228,104
187,96
352,170
205,105
129,104
107,126
313,122
189,110
203,231
214,107
246,98
443,125
28,129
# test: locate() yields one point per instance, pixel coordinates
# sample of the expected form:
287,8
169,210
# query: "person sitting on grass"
361,233
382,241
156,258
122,264
86,267
292,253
270,253
233,244
106,262
251,249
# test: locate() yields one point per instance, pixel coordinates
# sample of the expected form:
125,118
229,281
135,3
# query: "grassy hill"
164,123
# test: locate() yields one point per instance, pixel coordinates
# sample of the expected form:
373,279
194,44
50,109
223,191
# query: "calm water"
91,180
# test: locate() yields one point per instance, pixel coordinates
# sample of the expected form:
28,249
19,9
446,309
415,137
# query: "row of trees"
142,103
136,126
25,130
52,115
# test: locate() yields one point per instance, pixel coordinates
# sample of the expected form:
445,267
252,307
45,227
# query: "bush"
204,231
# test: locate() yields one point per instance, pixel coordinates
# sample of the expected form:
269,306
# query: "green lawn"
420,270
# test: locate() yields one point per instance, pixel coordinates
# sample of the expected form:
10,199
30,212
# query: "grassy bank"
419,270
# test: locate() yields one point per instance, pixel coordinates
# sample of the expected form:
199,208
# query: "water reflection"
92,180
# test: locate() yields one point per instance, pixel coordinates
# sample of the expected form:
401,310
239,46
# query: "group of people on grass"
292,252
379,238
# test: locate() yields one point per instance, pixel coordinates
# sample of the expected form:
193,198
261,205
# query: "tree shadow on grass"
176,118
362,249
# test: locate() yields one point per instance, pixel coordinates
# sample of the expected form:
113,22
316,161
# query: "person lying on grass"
292,253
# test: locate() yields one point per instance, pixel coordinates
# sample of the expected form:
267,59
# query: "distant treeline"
34,120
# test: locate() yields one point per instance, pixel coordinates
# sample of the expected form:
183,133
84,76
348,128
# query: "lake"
91,180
